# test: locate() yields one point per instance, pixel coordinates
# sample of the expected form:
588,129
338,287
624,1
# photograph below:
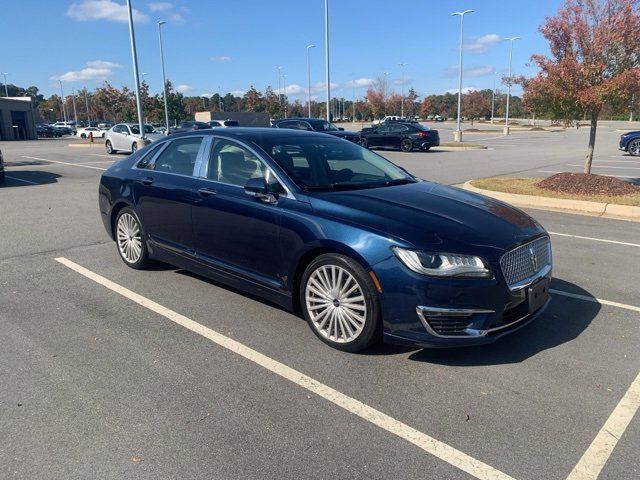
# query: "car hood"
428,215
635,132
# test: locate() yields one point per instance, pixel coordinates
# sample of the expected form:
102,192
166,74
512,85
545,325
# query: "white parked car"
388,118
124,137
223,123
84,132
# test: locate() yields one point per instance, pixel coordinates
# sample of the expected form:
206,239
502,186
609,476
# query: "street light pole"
353,103
279,88
64,108
385,91
402,65
493,96
6,90
219,99
86,102
506,119
457,135
309,78
284,87
326,48
164,81
136,78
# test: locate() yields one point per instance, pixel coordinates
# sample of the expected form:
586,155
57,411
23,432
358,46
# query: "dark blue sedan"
630,142
320,225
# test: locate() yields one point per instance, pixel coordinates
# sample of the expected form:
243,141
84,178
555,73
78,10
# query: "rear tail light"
423,134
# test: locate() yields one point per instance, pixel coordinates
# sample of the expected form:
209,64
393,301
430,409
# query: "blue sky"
237,43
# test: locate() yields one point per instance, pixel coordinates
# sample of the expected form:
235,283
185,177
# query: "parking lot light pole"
326,53
402,65
164,81
6,90
136,78
64,108
506,116
284,88
493,96
86,102
309,78
280,88
219,99
457,135
75,112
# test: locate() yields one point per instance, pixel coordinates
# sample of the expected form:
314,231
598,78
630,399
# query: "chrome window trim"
153,158
268,170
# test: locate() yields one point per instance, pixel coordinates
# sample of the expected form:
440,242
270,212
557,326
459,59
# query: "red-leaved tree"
595,58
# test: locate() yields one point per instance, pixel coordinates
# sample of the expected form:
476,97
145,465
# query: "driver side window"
179,157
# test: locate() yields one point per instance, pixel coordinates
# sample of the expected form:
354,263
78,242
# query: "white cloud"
454,91
159,6
176,18
237,93
359,82
95,70
293,89
221,58
483,43
183,88
88,10
320,86
475,71
398,81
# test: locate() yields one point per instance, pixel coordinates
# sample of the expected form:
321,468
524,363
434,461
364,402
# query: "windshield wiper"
399,181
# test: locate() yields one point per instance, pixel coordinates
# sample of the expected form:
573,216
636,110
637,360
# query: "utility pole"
86,102
280,88
75,112
136,78
284,86
309,79
457,135
6,90
402,65
64,107
493,96
219,99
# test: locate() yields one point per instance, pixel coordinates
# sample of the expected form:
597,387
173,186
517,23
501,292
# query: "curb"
451,148
609,210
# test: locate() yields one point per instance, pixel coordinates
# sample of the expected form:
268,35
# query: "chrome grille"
526,260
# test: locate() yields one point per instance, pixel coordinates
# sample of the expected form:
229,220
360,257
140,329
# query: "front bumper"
430,312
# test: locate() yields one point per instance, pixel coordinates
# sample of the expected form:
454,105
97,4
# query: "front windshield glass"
324,126
136,130
321,164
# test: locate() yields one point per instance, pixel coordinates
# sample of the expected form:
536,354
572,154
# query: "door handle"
147,181
206,192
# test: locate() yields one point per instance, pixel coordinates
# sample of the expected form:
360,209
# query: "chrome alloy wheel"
129,238
634,148
335,303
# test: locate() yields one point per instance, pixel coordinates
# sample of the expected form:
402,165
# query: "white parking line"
587,298
21,180
63,163
596,456
604,240
619,161
100,155
421,440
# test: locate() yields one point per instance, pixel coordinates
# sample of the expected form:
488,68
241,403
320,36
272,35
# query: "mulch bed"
587,184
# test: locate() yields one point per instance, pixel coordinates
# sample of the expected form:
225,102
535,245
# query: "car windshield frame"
320,154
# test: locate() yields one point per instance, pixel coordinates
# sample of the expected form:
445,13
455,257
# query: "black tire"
134,147
406,145
634,147
371,330
82,135
109,147
364,143
143,261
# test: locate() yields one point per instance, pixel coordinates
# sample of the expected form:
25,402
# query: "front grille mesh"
526,260
449,325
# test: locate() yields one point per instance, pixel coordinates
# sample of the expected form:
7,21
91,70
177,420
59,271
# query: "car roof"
255,134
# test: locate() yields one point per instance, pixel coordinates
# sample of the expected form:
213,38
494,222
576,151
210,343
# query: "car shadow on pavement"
565,319
28,178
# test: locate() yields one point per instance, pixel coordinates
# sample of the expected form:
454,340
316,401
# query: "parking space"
97,371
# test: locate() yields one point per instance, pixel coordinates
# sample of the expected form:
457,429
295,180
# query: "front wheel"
406,145
134,147
109,147
340,304
634,147
130,240
82,135
364,143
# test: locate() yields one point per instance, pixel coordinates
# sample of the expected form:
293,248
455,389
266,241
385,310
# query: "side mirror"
257,187
341,129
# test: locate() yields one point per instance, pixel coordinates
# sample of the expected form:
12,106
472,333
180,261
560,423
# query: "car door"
121,133
164,195
395,135
234,231
378,137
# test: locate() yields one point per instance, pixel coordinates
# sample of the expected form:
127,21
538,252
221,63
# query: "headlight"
442,264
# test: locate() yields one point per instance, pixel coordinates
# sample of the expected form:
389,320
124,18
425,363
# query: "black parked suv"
403,135
316,125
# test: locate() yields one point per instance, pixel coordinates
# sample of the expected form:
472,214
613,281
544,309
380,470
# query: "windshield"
135,129
323,126
320,164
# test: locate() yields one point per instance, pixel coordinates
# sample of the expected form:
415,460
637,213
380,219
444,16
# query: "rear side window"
179,157
146,158
233,164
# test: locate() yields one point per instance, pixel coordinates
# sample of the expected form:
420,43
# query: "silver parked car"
124,137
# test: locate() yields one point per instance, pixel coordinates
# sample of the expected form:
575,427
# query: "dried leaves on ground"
587,184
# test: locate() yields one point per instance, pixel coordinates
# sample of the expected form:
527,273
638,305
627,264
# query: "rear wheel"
109,147
364,142
134,147
130,240
406,145
340,304
82,135
634,147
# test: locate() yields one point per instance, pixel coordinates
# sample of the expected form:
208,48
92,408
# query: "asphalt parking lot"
108,372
